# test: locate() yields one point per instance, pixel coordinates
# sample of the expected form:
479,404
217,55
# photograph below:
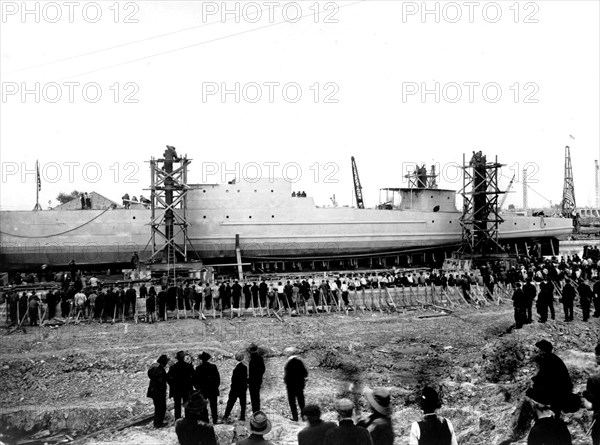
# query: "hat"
253,348
204,356
544,346
344,407
196,404
180,355
259,423
239,356
539,396
163,360
379,399
429,399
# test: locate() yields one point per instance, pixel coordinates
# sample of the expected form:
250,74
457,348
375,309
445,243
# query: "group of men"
86,201
197,389
549,396
183,379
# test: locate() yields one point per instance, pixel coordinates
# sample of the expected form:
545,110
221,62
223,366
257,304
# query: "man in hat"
432,428
258,425
295,375
552,377
548,429
379,422
568,296
591,397
180,382
314,432
207,380
194,428
157,389
239,386
256,370
585,298
346,432
519,305
530,292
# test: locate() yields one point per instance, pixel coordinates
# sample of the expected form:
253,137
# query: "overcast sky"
318,82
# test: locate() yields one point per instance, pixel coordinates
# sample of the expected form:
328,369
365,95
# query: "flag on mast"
39,180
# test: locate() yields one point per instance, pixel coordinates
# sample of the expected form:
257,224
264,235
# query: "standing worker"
180,382
157,390
239,386
208,380
256,370
295,375
585,298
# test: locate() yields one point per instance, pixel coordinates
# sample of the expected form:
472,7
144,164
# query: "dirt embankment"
88,377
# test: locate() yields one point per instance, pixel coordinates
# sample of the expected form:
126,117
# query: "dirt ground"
83,378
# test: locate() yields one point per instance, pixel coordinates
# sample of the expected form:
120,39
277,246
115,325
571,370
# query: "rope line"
57,234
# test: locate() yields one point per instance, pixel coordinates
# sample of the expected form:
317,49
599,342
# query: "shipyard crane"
357,187
506,192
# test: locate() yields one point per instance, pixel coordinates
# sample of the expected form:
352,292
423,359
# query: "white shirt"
415,433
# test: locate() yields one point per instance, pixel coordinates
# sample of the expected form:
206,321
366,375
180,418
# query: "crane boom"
506,192
357,187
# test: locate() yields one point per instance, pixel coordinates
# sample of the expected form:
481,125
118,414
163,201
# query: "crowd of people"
195,389
571,280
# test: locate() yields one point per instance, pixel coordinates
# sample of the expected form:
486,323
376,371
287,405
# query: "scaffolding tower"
168,199
480,218
419,178
568,205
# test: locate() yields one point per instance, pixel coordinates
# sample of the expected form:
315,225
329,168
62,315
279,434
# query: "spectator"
433,428
256,370
194,428
208,380
238,389
258,425
379,422
295,375
180,382
314,432
346,432
157,390
547,430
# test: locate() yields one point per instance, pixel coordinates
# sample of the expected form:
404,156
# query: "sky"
93,90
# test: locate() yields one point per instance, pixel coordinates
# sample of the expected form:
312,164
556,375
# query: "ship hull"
268,223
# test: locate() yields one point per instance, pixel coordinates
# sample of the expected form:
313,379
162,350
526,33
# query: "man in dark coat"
236,293
238,389
161,301
545,300
314,432
263,290
519,305
585,298
592,396
552,377
208,380
180,382
568,296
130,296
596,299
157,389
256,370
346,433
432,428
194,428
295,374
530,293
548,428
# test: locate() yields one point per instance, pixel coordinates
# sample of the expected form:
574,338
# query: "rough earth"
83,378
